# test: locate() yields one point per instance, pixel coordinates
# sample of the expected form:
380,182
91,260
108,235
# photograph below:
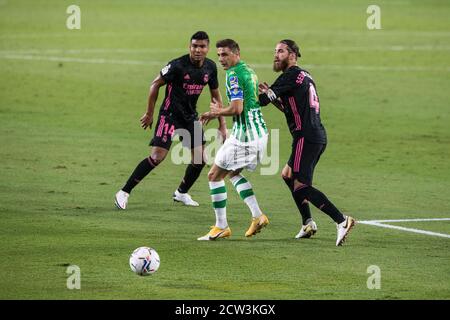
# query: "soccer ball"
144,261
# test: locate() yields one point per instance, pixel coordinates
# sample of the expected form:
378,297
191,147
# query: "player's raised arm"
147,118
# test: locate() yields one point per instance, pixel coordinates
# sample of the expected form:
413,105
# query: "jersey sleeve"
213,81
281,86
170,71
234,87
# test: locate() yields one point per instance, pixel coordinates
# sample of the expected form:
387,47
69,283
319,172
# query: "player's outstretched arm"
147,119
265,98
235,108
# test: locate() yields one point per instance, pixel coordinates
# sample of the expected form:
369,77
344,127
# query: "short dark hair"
228,43
292,46
200,35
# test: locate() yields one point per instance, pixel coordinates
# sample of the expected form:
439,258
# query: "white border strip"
382,224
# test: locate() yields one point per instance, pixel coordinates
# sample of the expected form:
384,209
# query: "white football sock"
244,188
219,201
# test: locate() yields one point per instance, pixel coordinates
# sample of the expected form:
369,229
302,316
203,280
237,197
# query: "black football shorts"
303,159
190,132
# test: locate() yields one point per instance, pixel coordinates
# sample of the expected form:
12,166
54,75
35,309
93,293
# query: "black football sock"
319,200
305,212
191,175
142,169
300,195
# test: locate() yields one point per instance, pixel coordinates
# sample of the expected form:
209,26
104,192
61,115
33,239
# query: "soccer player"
185,78
245,146
294,92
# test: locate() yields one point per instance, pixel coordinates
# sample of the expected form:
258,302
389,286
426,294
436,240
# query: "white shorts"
234,155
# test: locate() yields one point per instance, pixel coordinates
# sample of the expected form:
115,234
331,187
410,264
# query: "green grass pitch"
70,103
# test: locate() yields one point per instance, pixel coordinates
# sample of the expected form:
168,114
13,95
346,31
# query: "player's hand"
206,117
146,121
215,107
263,87
213,113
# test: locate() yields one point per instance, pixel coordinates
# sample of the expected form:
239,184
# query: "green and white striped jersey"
242,83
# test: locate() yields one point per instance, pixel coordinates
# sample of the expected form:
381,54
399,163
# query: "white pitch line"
80,60
407,220
254,65
269,50
364,67
94,50
378,223
306,32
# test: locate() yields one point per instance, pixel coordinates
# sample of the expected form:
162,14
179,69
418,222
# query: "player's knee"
302,190
300,186
158,156
211,176
154,161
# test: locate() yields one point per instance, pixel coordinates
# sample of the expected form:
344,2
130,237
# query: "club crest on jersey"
187,77
165,69
233,80
205,78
